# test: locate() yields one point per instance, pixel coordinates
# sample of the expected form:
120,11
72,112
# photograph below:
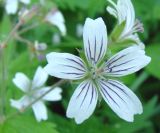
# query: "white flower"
124,11
40,46
56,18
33,90
12,5
97,74
39,49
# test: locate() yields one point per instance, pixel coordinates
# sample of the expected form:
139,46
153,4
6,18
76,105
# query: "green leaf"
153,68
91,7
5,26
71,127
129,79
150,109
24,63
96,7
26,124
72,4
141,122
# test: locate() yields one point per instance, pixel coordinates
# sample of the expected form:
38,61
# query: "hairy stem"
11,34
23,40
29,28
3,86
3,69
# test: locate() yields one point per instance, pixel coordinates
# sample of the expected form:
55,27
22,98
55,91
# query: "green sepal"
83,57
123,44
117,31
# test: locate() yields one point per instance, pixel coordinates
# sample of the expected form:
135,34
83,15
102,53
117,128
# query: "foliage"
26,124
19,58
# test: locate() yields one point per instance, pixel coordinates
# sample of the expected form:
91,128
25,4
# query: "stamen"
138,27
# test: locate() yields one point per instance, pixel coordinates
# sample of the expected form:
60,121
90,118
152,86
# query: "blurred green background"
145,83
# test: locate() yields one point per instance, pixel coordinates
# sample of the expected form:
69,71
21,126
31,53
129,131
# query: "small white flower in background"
56,18
79,30
124,11
33,90
56,39
39,49
97,73
40,46
12,5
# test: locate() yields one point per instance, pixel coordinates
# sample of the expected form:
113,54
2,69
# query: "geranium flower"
12,5
124,11
33,90
97,74
56,18
39,49
40,46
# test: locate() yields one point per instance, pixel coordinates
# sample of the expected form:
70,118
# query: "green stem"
3,86
3,70
137,83
23,40
29,28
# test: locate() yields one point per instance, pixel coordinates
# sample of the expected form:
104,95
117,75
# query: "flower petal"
22,81
117,11
83,102
40,111
54,95
121,99
95,39
40,78
21,103
112,11
56,18
126,62
126,6
65,66
11,6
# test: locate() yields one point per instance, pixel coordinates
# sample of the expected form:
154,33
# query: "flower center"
95,72
32,92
